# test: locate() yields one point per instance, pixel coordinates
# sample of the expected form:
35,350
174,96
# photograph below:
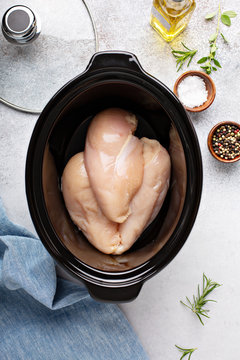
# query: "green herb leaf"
226,20
208,69
213,37
230,13
225,40
199,301
211,15
202,60
185,46
216,62
185,352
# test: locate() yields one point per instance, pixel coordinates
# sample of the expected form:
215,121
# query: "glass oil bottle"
170,17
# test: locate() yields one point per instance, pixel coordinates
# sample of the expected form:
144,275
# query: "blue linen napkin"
46,317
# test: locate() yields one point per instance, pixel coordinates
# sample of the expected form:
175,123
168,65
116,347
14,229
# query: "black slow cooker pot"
112,79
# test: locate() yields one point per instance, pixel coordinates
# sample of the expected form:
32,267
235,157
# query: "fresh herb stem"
200,300
183,56
185,352
219,17
210,62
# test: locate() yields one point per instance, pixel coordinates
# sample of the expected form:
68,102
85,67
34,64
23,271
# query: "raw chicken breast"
149,198
114,162
106,235
84,210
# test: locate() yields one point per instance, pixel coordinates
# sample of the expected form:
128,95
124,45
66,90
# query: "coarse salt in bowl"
196,90
192,91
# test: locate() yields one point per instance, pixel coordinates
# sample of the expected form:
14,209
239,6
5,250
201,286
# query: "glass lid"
34,67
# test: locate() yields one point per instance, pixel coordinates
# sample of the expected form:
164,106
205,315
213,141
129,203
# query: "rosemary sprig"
200,300
182,56
185,352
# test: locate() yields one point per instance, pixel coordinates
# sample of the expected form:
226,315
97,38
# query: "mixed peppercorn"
226,142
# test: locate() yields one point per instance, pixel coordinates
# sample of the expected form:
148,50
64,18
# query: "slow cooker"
112,79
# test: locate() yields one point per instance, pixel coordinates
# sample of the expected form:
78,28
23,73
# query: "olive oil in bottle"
170,17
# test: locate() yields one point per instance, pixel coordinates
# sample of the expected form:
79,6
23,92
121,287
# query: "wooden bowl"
209,141
210,86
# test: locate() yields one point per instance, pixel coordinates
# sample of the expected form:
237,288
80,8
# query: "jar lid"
35,65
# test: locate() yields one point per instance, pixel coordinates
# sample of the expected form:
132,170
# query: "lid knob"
20,25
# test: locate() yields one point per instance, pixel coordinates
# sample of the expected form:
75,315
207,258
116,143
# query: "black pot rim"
35,198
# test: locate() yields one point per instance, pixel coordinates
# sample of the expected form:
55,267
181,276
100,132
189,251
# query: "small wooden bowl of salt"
195,89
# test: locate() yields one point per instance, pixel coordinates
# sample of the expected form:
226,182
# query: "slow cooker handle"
114,295
113,59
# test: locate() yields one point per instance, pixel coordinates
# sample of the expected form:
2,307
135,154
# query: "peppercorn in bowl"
224,141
